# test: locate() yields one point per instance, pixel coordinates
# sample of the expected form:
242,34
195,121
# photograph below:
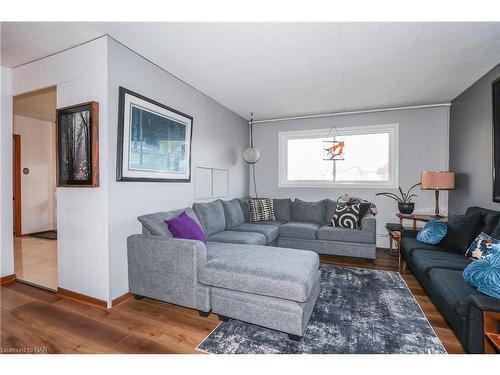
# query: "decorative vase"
406,208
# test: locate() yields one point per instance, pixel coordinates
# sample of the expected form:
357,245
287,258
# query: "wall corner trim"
4,280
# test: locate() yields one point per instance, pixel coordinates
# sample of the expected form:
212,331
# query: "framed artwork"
154,141
496,140
78,145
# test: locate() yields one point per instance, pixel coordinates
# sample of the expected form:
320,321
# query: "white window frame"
391,129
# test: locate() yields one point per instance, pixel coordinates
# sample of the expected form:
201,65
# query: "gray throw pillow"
282,209
233,213
311,212
330,210
211,216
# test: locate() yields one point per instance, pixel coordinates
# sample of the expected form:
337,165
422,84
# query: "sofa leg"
223,318
370,260
293,337
136,296
204,313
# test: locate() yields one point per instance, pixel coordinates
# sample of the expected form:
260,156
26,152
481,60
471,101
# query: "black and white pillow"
261,210
349,216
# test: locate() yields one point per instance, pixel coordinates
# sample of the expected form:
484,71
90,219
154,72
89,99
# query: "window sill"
330,185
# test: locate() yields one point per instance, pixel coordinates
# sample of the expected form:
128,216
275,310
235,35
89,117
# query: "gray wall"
219,138
423,145
471,148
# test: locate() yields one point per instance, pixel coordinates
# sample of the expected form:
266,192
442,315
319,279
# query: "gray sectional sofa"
246,271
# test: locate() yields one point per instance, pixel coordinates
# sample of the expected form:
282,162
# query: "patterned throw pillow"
261,210
483,246
349,216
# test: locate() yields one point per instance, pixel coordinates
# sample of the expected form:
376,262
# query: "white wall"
80,75
219,138
423,145
6,225
38,187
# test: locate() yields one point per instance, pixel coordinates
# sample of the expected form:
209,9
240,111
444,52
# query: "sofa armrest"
409,233
474,332
167,269
369,225
485,303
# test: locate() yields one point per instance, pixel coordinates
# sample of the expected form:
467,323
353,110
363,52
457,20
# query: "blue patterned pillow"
483,246
433,232
484,275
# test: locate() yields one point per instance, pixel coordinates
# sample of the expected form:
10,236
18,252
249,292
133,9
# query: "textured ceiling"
283,69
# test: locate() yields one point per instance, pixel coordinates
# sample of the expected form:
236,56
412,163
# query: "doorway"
34,188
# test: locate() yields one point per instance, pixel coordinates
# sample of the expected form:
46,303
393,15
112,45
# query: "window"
370,158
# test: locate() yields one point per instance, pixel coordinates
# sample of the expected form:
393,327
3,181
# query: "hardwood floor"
36,318
35,260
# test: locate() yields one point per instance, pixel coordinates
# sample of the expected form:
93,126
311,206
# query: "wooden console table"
491,336
420,217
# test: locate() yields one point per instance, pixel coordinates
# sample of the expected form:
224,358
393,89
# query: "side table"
491,336
420,217
395,236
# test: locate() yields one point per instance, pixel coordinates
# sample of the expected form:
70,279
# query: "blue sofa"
439,270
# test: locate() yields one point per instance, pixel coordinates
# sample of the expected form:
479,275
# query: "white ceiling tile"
280,69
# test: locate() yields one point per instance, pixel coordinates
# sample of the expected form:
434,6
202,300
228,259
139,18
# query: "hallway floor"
35,261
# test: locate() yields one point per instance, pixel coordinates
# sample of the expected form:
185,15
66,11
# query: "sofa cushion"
283,209
409,245
211,216
239,237
330,207
270,231
233,213
296,229
450,285
245,208
425,260
276,223
490,218
462,229
310,212
267,271
329,233
155,222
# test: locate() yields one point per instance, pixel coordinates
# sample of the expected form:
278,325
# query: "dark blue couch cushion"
409,245
450,285
425,260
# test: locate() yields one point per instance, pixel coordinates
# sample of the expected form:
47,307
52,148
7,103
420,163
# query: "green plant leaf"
390,195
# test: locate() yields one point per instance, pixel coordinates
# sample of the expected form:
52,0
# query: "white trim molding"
391,129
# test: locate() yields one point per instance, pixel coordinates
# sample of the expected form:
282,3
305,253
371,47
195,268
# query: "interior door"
16,188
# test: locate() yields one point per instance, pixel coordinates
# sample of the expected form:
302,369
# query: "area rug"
358,311
48,235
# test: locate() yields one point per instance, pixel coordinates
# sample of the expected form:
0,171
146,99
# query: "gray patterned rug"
358,311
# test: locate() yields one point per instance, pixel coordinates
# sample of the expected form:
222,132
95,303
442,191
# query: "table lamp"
437,180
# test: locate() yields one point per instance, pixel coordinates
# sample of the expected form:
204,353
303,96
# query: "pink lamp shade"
438,180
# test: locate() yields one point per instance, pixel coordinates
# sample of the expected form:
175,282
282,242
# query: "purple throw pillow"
183,226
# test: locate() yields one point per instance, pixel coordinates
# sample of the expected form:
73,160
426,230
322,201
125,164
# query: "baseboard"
82,298
91,301
122,299
4,280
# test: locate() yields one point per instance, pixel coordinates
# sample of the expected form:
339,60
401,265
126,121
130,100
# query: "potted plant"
405,204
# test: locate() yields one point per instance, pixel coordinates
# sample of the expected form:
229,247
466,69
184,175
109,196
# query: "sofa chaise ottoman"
273,287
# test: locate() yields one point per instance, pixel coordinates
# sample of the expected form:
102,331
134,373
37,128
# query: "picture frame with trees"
78,145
